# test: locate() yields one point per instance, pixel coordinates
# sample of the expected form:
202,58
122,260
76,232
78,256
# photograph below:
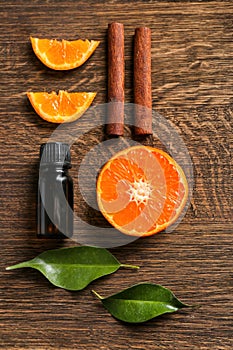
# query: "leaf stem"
17,266
130,266
97,294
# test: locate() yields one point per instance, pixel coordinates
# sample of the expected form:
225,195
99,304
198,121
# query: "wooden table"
192,88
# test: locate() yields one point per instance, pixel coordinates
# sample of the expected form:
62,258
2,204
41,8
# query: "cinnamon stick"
115,119
142,81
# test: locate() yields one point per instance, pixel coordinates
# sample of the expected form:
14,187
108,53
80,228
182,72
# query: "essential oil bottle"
55,192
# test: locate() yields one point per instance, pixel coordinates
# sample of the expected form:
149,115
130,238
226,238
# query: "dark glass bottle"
55,192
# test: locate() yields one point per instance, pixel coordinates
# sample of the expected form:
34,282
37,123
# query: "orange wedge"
63,107
141,191
63,55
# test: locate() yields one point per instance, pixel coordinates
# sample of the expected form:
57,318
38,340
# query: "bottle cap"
57,153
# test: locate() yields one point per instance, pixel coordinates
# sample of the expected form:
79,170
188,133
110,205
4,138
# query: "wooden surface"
193,88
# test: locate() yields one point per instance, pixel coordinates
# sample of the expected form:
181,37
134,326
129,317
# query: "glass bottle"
55,192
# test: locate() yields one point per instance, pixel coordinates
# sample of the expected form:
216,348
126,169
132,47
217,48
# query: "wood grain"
192,88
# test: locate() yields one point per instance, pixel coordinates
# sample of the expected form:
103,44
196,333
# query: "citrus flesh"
63,107
63,55
141,191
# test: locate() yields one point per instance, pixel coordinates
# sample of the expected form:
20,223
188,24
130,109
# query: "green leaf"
141,302
73,268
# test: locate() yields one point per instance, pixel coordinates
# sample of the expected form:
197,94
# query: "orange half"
63,55
141,191
63,107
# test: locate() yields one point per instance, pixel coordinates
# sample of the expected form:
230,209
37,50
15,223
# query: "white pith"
140,191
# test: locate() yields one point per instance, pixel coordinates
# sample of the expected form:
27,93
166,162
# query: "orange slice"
141,191
63,107
63,55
